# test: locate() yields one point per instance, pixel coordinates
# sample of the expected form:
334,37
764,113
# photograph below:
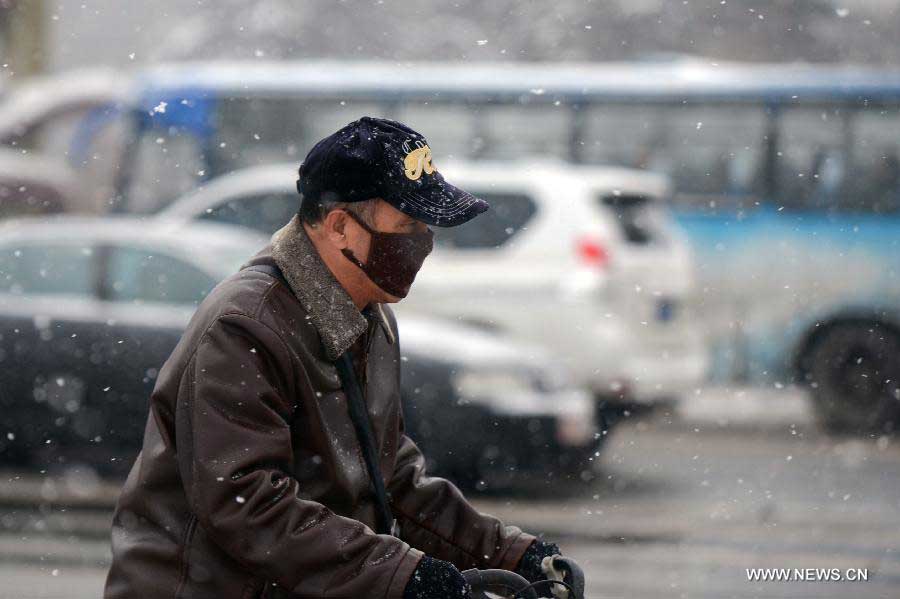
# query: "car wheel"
853,371
612,414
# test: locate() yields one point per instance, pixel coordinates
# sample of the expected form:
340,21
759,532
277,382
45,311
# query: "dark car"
90,309
490,410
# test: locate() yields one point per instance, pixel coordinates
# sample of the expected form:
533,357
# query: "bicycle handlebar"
501,582
510,584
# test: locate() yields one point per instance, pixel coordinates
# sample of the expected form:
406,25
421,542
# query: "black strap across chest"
359,415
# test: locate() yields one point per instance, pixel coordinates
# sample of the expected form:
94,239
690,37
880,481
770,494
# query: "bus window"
715,150
515,130
264,130
876,161
255,131
322,118
623,135
812,158
449,128
707,150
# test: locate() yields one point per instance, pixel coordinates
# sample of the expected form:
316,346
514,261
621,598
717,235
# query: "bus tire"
854,374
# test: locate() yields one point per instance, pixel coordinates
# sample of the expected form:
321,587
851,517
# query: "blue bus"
786,178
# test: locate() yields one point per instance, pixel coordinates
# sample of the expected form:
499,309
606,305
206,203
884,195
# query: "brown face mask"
394,258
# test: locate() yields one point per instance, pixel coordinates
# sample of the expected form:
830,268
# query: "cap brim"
440,205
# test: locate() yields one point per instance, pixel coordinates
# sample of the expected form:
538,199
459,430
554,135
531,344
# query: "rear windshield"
639,216
509,215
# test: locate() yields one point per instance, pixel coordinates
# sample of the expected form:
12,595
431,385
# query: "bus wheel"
854,369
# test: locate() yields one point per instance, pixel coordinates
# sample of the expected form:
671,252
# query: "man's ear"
334,228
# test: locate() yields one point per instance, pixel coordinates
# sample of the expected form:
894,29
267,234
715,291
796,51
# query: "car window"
142,275
263,212
51,133
24,197
640,218
64,269
507,217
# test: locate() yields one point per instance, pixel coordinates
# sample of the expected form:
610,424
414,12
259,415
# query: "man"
253,480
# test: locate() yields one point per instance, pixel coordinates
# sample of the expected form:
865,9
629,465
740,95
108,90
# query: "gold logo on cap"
417,160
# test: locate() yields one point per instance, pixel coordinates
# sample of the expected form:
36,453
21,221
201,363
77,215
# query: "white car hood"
466,344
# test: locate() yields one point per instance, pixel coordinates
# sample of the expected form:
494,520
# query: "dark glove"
436,579
530,565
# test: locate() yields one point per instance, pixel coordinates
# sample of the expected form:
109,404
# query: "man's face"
385,219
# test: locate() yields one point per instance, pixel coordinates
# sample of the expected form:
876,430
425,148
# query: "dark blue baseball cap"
380,158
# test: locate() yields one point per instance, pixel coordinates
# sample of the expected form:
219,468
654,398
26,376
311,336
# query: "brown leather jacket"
251,482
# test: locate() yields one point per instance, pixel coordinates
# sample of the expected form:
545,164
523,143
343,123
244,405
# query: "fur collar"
329,306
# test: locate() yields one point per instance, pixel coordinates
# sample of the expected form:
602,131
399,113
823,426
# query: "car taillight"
592,252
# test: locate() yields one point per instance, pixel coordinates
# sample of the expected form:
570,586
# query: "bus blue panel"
770,276
187,110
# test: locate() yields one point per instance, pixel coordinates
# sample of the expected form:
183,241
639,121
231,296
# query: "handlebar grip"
497,581
572,573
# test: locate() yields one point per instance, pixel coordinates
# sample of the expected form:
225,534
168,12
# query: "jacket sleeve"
435,518
233,437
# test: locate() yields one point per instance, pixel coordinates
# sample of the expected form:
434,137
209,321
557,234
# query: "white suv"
585,261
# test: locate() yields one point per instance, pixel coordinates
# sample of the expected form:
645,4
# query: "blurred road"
681,507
